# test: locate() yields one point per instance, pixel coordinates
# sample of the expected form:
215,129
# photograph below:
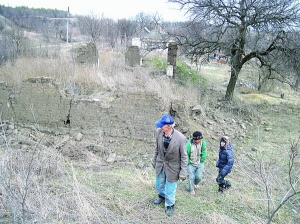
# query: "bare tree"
147,20
278,180
291,66
283,64
293,181
126,28
92,26
243,30
14,42
111,34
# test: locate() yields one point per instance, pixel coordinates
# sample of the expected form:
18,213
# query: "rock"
111,158
197,108
10,127
78,137
140,165
184,130
8,132
94,148
243,135
243,126
24,147
210,122
62,142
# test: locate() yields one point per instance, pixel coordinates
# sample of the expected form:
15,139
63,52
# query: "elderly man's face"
166,128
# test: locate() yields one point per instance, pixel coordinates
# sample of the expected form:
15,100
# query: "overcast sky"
114,9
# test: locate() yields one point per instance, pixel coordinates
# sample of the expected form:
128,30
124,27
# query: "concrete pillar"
172,56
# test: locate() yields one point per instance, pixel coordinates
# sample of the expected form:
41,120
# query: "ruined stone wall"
39,102
132,56
87,54
128,115
44,104
5,98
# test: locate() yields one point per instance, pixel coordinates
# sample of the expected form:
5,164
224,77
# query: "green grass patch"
184,72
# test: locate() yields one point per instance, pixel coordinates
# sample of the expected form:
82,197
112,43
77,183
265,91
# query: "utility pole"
68,27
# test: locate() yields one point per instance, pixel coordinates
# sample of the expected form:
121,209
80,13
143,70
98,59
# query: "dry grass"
112,75
218,74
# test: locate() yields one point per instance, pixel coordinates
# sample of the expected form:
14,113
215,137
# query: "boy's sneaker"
220,191
170,210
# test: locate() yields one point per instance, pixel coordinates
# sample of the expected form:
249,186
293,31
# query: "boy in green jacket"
196,151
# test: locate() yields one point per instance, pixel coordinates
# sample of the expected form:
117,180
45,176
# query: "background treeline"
52,24
31,19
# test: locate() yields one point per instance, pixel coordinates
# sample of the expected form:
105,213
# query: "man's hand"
182,177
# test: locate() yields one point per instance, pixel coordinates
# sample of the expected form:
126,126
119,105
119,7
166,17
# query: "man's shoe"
170,210
159,200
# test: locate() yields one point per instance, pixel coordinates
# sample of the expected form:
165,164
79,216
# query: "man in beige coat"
169,161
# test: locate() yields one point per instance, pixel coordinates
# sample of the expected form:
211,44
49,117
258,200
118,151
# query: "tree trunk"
231,85
235,71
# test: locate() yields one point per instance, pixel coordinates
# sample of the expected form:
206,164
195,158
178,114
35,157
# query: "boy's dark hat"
197,135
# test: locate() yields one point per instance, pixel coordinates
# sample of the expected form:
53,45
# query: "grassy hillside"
60,180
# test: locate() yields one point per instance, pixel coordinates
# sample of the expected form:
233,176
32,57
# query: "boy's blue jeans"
165,188
195,175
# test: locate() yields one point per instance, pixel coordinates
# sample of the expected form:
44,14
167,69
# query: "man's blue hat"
164,120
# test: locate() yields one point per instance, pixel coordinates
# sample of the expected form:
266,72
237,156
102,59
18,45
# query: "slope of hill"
75,178
80,179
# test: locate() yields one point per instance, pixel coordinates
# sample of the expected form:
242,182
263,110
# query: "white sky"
113,9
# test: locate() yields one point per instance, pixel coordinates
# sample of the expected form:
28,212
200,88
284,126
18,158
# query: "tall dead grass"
112,75
39,184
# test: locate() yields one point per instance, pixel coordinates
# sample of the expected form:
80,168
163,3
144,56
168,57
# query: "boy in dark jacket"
225,162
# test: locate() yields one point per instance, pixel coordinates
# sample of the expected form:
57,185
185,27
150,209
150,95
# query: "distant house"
146,40
137,40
